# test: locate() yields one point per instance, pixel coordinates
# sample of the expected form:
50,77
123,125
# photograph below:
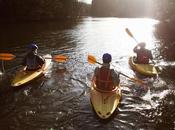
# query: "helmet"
33,46
107,58
142,44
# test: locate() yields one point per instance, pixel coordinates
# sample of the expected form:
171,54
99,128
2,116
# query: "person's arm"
24,61
95,73
116,77
136,48
40,60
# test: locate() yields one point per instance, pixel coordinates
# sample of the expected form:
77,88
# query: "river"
60,99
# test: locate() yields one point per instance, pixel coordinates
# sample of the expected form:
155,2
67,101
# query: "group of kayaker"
104,77
107,79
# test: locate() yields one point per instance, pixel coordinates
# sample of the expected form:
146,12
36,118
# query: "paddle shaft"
125,75
9,56
131,35
135,39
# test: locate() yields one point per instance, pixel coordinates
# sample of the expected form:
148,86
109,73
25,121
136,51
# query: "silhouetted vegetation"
122,8
135,8
165,29
45,10
34,10
27,10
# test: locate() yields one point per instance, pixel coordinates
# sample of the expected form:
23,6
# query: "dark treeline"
34,10
165,29
159,9
45,10
134,8
121,8
27,10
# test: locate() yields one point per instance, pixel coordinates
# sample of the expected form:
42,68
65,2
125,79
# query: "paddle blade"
59,58
7,56
128,32
92,59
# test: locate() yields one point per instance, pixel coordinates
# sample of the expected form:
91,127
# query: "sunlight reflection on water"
108,35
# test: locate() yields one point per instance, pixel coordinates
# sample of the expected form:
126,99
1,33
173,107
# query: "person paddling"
104,77
143,54
32,60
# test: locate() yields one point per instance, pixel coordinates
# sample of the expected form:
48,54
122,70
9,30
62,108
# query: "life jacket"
32,63
143,57
104,79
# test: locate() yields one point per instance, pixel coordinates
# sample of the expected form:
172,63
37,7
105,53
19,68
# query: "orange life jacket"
104,79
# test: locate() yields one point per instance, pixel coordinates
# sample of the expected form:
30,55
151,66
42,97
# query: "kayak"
23,76
144,69
104,102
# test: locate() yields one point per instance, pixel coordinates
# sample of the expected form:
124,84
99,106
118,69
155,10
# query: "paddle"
130,34
92,60
9,56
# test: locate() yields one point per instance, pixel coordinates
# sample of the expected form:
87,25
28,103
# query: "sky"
86,1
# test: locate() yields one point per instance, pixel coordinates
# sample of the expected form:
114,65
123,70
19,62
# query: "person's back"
106,78
143,54
32,60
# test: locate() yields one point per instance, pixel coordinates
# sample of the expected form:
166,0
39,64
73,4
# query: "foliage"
121,8
27,10
137,8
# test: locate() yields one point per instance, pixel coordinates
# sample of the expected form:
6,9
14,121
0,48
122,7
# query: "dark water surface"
60,99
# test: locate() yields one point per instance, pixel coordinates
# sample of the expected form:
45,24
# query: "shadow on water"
36,31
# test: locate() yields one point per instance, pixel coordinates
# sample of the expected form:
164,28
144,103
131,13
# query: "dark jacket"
143,55
33,61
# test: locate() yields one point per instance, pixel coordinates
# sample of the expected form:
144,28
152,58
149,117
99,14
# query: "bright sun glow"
101,35
86,1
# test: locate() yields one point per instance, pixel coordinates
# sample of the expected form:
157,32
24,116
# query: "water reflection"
110,35
60,100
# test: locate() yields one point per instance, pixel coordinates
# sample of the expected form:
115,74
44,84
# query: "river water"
60,99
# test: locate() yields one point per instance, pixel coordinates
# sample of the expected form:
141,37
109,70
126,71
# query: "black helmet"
107,58
33,46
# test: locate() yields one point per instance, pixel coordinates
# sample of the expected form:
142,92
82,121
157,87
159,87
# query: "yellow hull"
104,102
144,69
23,77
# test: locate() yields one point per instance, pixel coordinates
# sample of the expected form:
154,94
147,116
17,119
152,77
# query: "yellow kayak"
103,102
23,77
144,69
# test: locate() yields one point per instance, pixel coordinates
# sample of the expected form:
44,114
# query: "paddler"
106,78
143,55
32,60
